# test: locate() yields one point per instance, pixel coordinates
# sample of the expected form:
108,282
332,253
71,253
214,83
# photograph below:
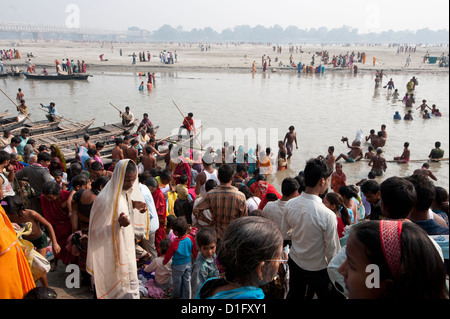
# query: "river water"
322,107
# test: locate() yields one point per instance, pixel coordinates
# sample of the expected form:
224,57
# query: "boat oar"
61,117
15,104
119,111
183,119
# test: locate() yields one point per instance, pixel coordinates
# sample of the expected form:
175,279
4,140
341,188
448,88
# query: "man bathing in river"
355,154
378,163
289,140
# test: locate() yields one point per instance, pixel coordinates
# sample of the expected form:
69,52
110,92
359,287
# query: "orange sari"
15,274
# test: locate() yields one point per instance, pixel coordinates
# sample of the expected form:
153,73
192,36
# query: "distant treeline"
292,34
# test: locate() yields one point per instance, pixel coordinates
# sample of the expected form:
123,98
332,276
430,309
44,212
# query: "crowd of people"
70,66
208,224
9,54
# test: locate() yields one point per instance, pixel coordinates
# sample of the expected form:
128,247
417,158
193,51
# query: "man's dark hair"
118,141
316,169
183,179
16,140
57,172
437,144
301,181
398,196
96,166
166,174
289,186
241,168
370,187
46,157
25,130
210,184
206,236
180,225
79,180
4,156
41,293
92,152
425,189
225,173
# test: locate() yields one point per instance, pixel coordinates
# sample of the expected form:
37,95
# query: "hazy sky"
373,16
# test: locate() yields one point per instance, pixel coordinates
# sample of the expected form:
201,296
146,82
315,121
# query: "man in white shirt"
313,232
12,147
275,210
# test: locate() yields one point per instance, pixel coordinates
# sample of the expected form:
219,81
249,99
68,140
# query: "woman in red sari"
261,188
55,206
160,205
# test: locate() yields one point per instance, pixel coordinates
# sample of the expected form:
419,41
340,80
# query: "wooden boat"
58,77
59,126
35,126
5,113
15,73
3,75
10,123
67,140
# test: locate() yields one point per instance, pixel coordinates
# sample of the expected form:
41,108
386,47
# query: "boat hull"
59,77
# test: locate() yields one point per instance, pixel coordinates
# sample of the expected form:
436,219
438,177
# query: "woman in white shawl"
119,213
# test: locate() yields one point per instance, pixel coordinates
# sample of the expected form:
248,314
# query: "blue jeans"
181,276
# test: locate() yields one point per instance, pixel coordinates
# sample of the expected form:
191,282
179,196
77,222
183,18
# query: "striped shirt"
226,203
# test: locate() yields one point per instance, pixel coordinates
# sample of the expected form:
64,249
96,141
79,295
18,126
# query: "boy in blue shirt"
180,251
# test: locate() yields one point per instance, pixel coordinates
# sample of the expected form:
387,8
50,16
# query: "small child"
182,194
17,213
180,250
338,178
370,153
169,231
204,266
335,202
163,273
182,188
194,174
282,161
113,164
78,182
395,95
60,178
281,147
404,158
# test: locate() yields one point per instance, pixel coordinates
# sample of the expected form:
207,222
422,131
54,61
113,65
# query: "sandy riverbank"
220,58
